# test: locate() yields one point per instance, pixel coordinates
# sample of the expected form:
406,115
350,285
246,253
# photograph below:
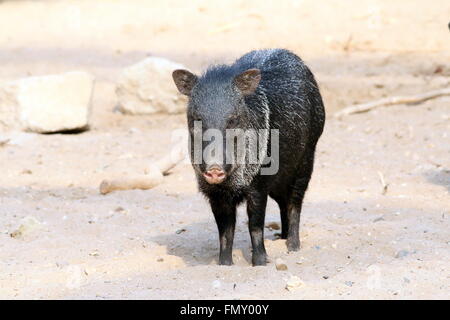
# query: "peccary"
264,89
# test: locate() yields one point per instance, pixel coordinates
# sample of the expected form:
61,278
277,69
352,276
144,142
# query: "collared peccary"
263,90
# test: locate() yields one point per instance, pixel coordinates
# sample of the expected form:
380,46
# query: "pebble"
293,283
280,265
273,226
216,284
94,253
378,219
349,283
121,210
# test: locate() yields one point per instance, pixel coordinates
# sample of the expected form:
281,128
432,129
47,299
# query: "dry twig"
150,180
365,107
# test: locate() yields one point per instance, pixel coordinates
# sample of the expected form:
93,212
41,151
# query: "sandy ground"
357,240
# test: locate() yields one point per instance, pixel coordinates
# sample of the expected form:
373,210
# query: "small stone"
349,283
294,283
29,224
180,231
216,284
94,253
121,210
378,219
273,226
280,265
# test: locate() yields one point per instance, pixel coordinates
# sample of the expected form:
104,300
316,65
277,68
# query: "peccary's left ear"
248,81
184,80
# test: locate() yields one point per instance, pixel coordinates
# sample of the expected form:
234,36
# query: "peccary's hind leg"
293,238
256,210
283,205
225,215
296,202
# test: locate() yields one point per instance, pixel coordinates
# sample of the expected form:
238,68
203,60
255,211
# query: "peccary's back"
293,101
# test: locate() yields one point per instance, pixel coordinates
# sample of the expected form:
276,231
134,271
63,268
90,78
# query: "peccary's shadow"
199,243
439,177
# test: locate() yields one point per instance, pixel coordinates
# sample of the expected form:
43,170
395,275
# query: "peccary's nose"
214,175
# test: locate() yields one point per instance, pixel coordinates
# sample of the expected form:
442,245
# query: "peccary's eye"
196,118
233,121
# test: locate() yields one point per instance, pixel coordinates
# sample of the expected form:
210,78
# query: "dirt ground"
359,240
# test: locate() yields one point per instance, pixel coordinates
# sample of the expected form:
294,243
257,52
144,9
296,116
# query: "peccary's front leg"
256,210
225,215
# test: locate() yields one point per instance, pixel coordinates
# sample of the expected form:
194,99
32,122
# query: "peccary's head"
223,120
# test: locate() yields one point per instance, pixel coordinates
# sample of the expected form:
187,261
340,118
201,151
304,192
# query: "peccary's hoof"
260,260
293,245
225,262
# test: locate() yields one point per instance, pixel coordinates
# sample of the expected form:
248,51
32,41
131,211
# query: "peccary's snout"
214,174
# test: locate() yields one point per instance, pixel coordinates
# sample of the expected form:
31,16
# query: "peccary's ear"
248,81
184,80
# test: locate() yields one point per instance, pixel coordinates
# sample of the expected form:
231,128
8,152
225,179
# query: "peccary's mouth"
214,175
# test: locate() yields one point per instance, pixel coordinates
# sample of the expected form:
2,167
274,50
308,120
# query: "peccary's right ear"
184,80
248,81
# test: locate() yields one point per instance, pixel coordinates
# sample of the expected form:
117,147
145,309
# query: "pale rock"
8,108
147,87
46,104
